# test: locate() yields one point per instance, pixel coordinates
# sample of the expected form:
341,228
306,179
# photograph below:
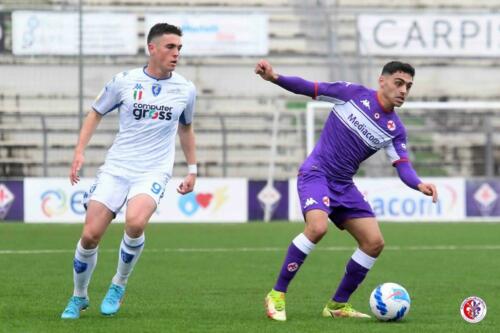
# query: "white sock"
303,243
363,259
83,267
130,251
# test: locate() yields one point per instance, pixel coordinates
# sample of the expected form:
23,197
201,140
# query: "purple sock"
294,258
354,275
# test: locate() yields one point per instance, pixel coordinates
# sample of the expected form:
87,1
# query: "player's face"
164,50
396,87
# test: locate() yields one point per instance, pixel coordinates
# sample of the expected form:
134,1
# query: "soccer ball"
390,302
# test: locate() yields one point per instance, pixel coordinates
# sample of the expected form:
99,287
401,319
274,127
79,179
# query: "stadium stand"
234,120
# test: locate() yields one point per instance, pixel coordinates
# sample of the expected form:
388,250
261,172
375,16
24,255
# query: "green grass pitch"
213,278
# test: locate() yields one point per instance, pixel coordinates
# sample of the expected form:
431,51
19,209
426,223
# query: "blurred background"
56,55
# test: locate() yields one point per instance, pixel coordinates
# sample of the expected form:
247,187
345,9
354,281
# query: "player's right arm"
88,128
293,84
339,91
108,100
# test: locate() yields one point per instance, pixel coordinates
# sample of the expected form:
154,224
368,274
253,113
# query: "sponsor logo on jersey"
363,130
366,103
156,88
138,89
151,111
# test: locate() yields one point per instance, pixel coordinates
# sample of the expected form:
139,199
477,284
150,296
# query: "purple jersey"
356,128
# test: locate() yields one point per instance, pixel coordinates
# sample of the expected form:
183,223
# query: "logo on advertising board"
53,202
190,203
392,200
485,198
6,200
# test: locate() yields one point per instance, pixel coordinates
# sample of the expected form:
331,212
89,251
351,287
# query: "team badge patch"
326,201
156,88
391,126
292,267
138,92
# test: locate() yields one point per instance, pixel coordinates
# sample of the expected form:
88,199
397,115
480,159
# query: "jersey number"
156,188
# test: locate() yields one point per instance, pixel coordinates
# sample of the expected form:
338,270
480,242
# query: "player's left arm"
398,155
188,143
409,176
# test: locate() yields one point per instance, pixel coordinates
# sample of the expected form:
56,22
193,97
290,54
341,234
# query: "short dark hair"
398,66
161,29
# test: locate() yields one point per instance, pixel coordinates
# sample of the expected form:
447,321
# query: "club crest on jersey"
376,115
156,88
391,126
138,92
326,201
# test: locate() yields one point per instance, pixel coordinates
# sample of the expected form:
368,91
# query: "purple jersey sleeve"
408,175
396,150
335,92
325,91
297,85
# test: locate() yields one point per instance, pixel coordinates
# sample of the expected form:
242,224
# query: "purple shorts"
340,200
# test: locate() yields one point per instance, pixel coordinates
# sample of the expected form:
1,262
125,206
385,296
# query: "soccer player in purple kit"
361,122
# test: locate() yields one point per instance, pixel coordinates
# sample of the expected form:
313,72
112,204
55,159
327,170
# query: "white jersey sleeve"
187,115
109,98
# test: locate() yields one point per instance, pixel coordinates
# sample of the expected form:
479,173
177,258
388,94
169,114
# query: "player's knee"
90,240
374,247
316,231
134,230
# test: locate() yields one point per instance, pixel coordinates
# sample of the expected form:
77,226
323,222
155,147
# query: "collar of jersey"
165,78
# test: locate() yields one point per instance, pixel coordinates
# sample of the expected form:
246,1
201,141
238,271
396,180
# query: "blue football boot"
75,305
113,299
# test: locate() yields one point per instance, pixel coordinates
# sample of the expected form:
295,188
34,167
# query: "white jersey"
150,111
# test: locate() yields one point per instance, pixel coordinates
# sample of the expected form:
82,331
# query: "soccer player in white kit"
154,103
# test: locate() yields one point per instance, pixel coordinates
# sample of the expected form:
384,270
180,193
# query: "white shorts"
115,191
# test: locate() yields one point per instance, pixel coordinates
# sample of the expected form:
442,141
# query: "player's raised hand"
265,70
187,184
430,190
78,160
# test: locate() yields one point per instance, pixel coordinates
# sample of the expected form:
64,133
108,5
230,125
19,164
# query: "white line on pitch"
275,249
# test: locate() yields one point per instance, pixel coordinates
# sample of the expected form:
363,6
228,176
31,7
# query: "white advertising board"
39,32
429,35
218,34
50,200
391,200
